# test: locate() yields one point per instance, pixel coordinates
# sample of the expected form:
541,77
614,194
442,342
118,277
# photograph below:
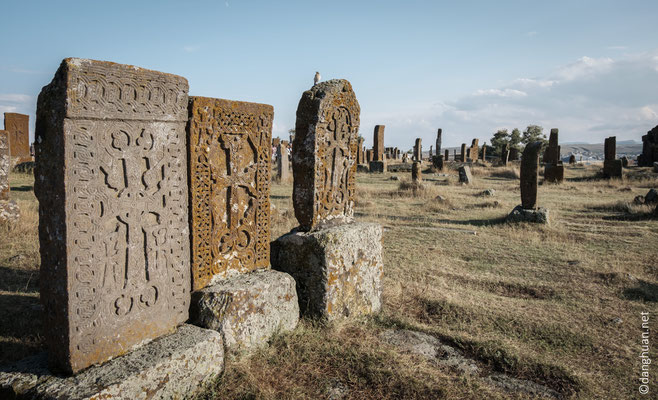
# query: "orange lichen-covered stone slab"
229,144
113,219
324,154
4,165
19,137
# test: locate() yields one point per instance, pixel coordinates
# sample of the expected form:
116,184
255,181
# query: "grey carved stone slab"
111,181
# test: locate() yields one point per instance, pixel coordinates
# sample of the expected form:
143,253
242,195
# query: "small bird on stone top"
317,78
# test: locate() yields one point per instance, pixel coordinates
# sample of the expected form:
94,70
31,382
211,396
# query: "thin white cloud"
15,98
192,48
501,93
531,33
584,67
617,47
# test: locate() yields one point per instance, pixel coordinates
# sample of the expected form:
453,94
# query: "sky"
589,68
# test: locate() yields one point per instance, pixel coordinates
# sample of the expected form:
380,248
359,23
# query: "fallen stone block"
338,269
519,214
248,309
168,367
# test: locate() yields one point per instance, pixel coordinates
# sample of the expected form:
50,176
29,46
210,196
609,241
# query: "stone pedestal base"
362,168
338,270
248,309
171,366
612,168
519,214
377,166
9,211
554,173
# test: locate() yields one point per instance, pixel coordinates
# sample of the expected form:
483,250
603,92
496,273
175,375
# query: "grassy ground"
559,304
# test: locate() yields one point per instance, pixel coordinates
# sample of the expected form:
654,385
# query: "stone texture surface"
111,180
610,148
324,154
377,166
18,126
572,159
520,214
9,211
437,162
484,152
378,140
530,175
465,175
554,170
172,366
513,154
5,165
338,270
474,151
248,309
554,173
361,153
613,169
504,154
229,144
416,172
439,133
283,164
462,155
447,155
649,148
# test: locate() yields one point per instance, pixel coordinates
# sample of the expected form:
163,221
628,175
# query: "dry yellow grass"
536,302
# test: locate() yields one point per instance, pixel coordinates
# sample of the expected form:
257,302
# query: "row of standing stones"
154,230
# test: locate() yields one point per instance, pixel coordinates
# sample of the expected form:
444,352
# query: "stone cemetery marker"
4,165
463,153
554,170
360,156
379,143
649,148
612,168
418,150
465,175
405,158
474,150
229,151
484,152
19,137
369,154
416,173
430,152
447,155
438,142
513,154
572,159
529,175
504,154
282,163
324,153
111,179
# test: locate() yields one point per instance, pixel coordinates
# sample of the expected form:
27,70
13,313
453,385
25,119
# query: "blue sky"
589,68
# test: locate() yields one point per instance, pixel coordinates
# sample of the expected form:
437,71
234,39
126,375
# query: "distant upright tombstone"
530,175
416,173
418,150
431,153
612,168
504,154
447,155
115,263
454,155
649,148
553,170
5,164
439,133
484,152
474,150
465,175
462,156
283,164
437,162
405,158
624,162
324,153
18,126
369,156
572,159
360,156
378,141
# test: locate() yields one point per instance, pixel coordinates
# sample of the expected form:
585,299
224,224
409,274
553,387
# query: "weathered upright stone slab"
649,148
484,152
465,175
431,153
418,150
554,170
474,151
416,172
18,126
360,155
368,156
530,175
378,140
229,153
612,168
446,155
513,154
4,165
324,154
283,164
170,367
439,133
462,156
572,159
338,270
111,180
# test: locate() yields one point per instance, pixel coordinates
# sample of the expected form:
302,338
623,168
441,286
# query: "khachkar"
463,154
447,155
438,159
111,179
360,153
553,170
649,149
283,163
17,126
474,151
416,172
612,168
528,210
229,144
337,263
8,209
418,150
378,164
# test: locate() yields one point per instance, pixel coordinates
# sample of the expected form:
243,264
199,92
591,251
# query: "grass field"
555,304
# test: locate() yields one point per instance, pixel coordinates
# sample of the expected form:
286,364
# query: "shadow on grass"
475,222
14,280
20,327
645,291
22,188
279,197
